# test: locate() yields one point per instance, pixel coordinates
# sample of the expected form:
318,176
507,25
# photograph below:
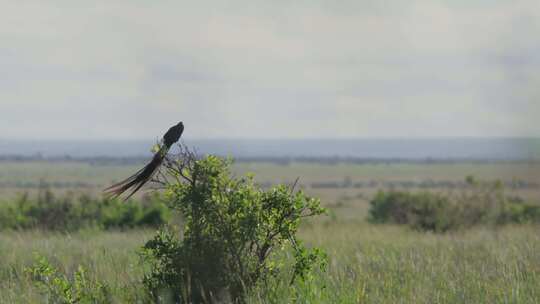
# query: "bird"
141,177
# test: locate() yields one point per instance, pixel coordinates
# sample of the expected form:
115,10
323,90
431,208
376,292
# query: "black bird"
137,180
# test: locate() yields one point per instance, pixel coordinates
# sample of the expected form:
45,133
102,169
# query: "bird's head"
179,126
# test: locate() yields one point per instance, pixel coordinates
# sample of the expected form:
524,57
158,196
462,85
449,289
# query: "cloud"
268,69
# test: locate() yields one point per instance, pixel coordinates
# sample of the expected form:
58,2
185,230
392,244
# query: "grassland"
367,263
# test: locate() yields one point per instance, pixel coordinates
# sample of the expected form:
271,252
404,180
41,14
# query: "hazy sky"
269,69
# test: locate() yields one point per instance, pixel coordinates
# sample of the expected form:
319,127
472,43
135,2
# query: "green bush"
71,212
424,210
232,234
58,288
481,203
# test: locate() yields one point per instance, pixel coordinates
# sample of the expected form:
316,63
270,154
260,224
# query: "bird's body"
137,180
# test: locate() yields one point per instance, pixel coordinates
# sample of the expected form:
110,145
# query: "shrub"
71,212
57,288
479,203
424,210
393,207
232,233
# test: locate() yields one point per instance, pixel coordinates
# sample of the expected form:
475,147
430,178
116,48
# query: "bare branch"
293,186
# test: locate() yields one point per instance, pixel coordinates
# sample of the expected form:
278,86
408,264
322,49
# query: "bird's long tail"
137,180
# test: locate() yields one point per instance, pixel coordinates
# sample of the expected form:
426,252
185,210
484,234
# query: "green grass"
108,256
367,264
385,264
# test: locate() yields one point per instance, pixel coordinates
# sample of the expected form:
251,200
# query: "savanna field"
418,249
270,152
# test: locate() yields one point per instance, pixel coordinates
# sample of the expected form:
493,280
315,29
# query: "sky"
92,70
